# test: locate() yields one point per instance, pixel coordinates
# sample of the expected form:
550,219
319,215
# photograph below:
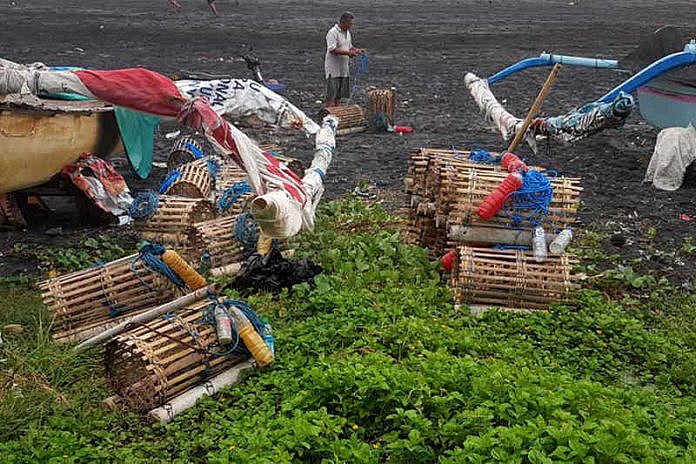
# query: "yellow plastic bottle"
252,340
188,274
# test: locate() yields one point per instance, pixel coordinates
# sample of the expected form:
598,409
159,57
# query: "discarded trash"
171,135
686,217
273,272
100,182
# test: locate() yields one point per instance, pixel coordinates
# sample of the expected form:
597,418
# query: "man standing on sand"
339,50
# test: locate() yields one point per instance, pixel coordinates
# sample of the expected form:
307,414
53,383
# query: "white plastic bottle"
539,245
223,325
561,241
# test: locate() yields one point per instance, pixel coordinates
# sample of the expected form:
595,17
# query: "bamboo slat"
102,295
156,361
511,278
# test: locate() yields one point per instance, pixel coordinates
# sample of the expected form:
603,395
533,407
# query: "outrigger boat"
40,136
663,82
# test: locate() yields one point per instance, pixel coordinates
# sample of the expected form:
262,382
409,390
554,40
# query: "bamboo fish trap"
185,150
511,279
351,118
466,190
195,180
381,101
173,217
218,238
161,359
90,300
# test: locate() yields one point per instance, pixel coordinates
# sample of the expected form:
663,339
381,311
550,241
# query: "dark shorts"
337,88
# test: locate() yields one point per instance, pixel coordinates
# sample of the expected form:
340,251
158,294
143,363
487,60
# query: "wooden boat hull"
39,137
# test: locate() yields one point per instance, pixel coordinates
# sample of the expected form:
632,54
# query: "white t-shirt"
337,65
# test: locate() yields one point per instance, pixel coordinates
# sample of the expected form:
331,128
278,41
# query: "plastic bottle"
252,340
494,200
561,241
539,245
267,335
223,325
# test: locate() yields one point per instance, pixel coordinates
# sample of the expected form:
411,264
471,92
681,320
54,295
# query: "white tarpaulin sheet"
241,98
675,150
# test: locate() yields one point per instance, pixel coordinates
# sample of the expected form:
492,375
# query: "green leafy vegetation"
374,364
85,253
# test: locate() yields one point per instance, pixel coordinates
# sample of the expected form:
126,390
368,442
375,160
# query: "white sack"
675,150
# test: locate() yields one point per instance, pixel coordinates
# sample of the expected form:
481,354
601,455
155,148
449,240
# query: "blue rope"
213,167
479,155
534,196
232,194
362,66
144,206
245,231
197,152
500,246
174,175
150,254
360,69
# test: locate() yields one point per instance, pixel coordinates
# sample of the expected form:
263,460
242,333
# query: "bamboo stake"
535,107
149,315
179,404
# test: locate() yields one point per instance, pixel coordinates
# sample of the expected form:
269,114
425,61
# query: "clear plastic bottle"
561,241
223,325
539,245
267,334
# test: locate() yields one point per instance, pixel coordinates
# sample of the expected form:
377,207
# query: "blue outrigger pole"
547,59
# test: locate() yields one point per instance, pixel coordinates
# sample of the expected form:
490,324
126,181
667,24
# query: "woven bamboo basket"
467,190
217,238
88,299
351,118
195,180
511,279
381,101
182,152
170,223
163,358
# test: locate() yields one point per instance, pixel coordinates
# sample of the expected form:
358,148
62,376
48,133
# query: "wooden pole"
179,404
149,315
535,107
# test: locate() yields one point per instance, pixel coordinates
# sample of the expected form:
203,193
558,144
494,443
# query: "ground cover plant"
374,364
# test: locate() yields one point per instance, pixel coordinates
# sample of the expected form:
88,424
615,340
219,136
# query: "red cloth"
136,88
149,92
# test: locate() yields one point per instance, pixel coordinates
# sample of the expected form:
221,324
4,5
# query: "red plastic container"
403,129
447,261
494,201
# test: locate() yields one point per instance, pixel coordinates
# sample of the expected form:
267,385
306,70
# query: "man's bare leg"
213,7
